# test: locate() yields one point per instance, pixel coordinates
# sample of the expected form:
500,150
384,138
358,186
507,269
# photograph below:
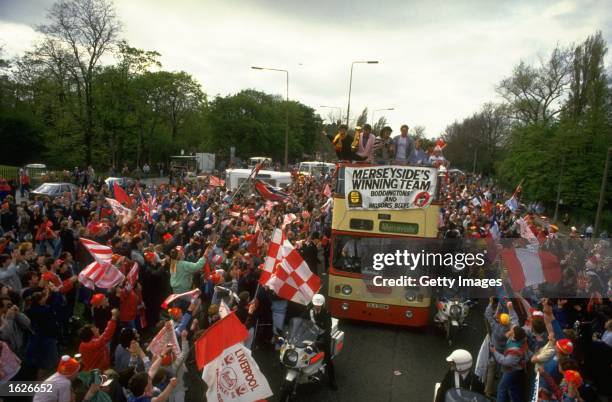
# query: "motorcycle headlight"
455,311
291,358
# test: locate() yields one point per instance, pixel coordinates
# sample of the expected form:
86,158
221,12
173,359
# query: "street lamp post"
286,112
334,107
348,108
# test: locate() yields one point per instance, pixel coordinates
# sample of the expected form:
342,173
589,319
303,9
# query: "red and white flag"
527,267
192,294
101,274
98,251
132,275
527,233
229,370
286,272
327,191
288,219
216,182
10,363
123,213
165,336
224,309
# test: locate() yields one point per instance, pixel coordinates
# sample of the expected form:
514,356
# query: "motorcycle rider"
459,375
322,318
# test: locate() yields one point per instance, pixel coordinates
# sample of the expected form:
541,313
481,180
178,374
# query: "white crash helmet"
461,358
318,300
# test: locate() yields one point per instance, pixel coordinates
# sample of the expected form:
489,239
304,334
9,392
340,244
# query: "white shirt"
60,391
400,153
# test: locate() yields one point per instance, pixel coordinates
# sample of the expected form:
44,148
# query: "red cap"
97,299
149,256
167,237
68,366
574,377
174,312
565,346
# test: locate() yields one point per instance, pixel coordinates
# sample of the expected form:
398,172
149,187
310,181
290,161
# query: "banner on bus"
389,187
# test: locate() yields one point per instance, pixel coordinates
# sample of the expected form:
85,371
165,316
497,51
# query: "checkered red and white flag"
286,272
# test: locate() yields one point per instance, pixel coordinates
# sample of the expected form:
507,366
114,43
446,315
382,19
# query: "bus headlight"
347,290
409,314
344,306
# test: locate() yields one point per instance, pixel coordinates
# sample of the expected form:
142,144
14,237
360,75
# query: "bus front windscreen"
362,255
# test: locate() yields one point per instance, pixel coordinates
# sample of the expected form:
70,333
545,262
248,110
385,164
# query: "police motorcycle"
460,384
451,315
302,357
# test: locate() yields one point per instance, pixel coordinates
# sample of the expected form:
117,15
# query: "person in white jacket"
364,145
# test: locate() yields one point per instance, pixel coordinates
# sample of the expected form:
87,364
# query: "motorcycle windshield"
300,330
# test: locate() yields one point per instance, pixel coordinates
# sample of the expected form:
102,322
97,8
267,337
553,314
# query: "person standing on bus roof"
364,145
403,145
383,147
342,143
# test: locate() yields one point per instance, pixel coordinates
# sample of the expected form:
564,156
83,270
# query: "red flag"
121,195
223,334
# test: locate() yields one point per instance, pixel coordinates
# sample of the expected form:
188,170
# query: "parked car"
124,182
53,190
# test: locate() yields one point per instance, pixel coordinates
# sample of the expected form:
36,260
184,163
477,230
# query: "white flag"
123,213
224,309
235,377
165,336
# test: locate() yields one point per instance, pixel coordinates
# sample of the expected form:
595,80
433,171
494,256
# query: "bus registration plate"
378,306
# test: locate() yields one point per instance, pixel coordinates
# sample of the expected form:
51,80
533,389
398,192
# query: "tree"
86,29
419,132
363,118
378,126
535,94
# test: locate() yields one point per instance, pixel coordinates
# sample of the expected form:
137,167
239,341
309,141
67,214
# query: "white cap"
318,300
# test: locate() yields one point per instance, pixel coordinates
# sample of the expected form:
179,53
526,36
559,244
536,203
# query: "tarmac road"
379,362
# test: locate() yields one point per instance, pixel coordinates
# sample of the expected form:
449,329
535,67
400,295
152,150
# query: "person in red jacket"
94,348
129,300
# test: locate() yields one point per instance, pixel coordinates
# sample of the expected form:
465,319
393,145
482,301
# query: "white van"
235,177
315,168
266,162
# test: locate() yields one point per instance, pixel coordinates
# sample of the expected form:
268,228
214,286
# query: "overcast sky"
439,60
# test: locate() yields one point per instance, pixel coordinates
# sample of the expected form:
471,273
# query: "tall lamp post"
334,107
286,112
348,108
